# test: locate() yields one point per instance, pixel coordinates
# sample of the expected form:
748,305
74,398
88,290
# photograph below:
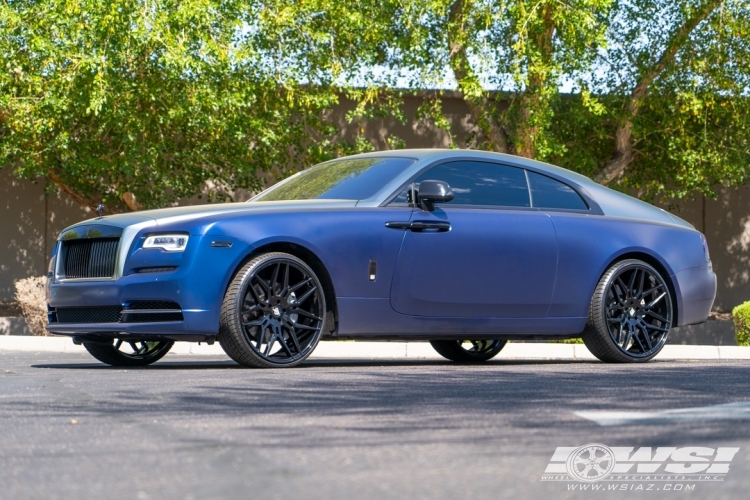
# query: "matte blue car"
464,249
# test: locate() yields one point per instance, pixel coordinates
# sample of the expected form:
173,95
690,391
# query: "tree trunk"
623,153
532,98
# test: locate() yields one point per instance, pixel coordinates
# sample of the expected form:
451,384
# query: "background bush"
741,318
30,296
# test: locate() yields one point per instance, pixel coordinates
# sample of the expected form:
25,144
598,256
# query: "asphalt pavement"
204,428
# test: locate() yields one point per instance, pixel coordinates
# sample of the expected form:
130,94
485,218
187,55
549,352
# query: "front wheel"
468,351
273,312
119,352
630,314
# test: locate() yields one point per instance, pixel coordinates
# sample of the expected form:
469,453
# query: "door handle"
418,226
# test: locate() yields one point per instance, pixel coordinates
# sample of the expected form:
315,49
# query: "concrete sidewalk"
397,350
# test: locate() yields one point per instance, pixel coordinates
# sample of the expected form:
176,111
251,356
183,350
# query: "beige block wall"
29,224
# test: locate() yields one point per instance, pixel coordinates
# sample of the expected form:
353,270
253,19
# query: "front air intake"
89,258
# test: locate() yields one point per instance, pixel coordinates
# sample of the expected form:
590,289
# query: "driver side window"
477,183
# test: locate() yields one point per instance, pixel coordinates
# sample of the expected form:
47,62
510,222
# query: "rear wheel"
121,352
468,351
273,312
630,315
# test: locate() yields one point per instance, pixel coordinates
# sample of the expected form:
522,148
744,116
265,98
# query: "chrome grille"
90,258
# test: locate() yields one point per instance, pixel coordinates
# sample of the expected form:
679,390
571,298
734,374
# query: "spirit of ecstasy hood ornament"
100,210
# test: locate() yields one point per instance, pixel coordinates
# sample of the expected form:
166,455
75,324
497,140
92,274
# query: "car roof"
438,153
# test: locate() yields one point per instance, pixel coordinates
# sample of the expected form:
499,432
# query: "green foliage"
741,318
510,58
161,99
693,128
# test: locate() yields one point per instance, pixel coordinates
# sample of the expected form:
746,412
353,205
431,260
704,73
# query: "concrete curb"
398,350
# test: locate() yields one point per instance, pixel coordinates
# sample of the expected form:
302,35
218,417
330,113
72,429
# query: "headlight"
168,242
51,267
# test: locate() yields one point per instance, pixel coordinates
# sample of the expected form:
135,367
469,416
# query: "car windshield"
356,179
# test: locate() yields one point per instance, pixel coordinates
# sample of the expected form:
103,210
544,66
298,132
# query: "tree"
683,70
659,99
139,103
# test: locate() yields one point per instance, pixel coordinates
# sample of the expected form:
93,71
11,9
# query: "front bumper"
197,286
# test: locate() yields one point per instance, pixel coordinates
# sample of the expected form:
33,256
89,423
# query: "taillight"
705,248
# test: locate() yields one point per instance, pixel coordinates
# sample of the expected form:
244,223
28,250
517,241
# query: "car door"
485,254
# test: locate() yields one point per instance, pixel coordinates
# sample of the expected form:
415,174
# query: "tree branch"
81,199
474,95
623,154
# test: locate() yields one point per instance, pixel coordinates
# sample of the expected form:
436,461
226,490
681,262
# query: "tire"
461,352
274,312
142,353
630,314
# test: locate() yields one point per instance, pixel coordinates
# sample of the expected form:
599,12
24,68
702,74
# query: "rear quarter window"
550,193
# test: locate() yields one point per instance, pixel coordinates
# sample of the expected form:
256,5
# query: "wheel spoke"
300,285
257,322
304,327
284,291
637,339
118,344
263,283
275,275
657,299
285,345
652,290
641,283
302,312
254,308
307,295
628,338
646,337
654,327
256,297
259,340
270,344
656,316
293,336
631,283
623,287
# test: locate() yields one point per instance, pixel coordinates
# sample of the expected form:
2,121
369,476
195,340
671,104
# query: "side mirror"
433,191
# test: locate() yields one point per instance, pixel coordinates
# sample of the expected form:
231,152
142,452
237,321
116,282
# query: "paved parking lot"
200,427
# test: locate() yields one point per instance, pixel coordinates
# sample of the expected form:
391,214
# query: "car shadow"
316,363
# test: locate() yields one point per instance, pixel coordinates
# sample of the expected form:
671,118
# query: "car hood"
173,215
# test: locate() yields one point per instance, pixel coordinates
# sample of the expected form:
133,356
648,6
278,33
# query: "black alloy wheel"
121,352
468,351
273,312
631,314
